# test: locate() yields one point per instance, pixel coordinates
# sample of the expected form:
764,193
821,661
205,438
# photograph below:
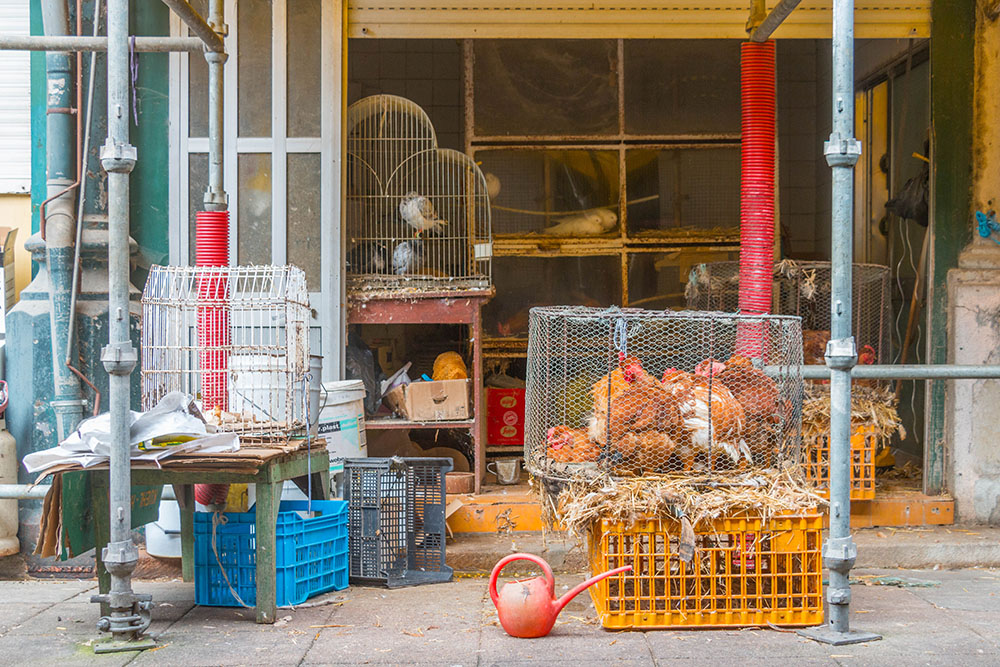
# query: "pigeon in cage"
368,257
418,212
407,257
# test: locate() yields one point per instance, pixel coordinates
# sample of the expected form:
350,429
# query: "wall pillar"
972,419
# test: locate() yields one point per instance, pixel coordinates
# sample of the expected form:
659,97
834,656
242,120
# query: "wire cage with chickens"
235,337
803,289
635,393
417,216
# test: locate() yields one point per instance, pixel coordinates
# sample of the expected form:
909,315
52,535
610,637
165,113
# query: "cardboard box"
446,400
505,417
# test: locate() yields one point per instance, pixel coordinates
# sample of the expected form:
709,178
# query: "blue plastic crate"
311,554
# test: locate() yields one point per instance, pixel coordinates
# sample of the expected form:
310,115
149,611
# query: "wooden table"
249,466
449,307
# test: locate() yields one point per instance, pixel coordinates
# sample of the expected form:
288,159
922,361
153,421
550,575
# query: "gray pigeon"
407,257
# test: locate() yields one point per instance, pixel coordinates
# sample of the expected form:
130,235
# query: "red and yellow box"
505,417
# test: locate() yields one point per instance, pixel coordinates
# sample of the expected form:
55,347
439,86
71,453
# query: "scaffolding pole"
842,152
73,43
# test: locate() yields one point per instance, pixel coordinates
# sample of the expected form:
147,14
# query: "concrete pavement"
44,622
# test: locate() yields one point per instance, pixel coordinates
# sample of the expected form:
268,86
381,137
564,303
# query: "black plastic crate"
396,520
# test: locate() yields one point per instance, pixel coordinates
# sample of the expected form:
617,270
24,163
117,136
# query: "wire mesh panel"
634,392
249,370
803,289
418,216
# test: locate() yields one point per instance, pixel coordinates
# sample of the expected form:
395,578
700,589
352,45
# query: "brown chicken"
707,431
814,346
762,406
639,417
570,445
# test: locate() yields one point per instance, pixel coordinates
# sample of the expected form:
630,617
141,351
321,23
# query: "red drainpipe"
757,83
212,249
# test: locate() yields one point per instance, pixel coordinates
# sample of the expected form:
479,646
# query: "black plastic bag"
361,366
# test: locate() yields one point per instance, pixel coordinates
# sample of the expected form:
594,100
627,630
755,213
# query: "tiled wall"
427,71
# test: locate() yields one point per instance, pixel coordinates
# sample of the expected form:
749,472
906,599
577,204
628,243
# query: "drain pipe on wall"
842,152
58,213
130,613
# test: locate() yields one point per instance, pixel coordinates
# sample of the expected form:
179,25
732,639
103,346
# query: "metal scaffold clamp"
118,157
842,151
130,612
119,358
841,354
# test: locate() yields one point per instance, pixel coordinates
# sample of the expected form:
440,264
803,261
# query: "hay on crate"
871,407
577,505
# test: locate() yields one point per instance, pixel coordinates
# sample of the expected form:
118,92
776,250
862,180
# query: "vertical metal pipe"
62,182
216,198
842,152
118,158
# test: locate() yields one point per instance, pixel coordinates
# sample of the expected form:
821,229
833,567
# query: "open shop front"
612,170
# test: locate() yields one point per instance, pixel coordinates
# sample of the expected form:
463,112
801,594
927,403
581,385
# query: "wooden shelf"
393,423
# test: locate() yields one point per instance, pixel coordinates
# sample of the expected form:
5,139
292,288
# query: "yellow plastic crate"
816,450
744,573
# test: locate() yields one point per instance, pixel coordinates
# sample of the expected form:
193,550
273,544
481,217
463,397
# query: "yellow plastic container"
817,462
743,573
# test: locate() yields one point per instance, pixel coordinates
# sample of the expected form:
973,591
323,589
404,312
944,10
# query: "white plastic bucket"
342,421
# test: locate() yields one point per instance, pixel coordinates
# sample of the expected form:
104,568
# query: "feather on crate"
250,371
418,216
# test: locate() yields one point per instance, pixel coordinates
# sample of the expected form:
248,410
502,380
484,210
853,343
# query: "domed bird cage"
418,216
630,392
803,289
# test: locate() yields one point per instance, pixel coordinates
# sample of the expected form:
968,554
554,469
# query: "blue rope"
987,223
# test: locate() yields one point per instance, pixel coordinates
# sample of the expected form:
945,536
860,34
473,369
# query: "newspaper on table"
173,426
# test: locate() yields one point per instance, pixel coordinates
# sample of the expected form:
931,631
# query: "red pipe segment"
758,95
212,249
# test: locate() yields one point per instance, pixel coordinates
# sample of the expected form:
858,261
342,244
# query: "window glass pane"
303,68
656,280
197,182
303,215
684,190
198,85
254,65
545,87
553,192
524,282
682,86
254,232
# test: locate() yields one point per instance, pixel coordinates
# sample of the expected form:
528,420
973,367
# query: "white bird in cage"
419,213
407,257
588,223
492,185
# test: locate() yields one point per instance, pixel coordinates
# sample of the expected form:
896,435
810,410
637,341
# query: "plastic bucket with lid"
342,421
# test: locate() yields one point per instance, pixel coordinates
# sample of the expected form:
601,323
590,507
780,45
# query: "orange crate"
817,462
744,573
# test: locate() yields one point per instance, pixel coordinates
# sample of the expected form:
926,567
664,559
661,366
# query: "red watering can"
528,608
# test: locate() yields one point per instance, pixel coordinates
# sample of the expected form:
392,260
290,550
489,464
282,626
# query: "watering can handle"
550,580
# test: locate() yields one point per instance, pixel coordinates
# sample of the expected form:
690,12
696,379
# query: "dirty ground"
927,617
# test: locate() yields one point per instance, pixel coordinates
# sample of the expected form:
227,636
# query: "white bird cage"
396,171
237,338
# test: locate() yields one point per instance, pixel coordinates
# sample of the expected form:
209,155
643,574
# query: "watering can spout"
579,588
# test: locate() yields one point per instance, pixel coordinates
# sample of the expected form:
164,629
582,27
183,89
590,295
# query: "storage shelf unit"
438,308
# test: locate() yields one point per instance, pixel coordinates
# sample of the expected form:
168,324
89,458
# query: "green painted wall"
952,77
150,179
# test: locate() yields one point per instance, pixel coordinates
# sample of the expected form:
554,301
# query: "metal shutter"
15,104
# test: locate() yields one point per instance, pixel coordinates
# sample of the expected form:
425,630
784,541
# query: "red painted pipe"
212,249
757,90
